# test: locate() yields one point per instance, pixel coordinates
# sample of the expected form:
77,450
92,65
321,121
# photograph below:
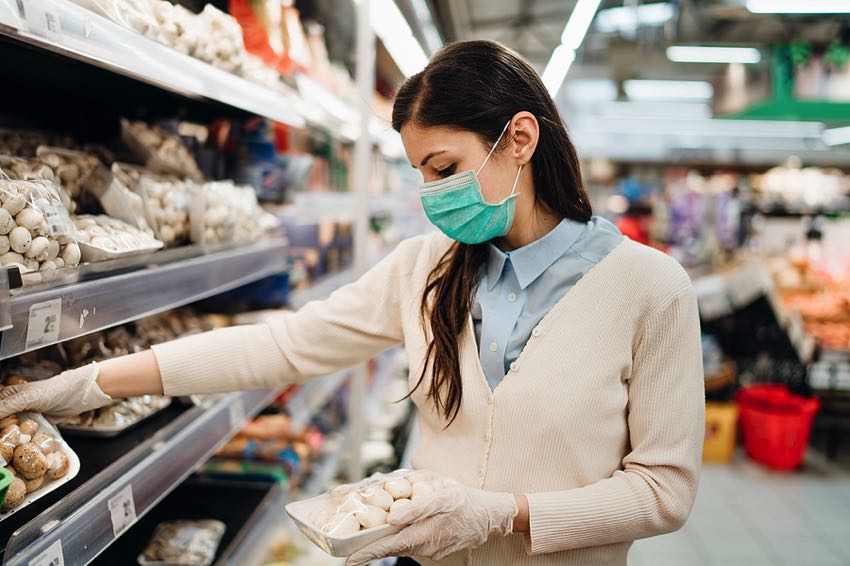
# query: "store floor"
746,515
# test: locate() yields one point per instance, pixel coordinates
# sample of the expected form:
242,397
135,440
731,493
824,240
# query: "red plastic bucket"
776,424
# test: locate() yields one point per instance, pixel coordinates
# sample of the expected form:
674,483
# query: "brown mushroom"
9,421
46,443
15,494
58,465
11,468
34,484
28,426
29,461
11,435
7,451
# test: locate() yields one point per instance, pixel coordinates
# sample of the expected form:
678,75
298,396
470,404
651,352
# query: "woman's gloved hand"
68,394
444,522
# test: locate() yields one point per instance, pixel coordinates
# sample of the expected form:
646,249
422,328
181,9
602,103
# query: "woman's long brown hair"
478,86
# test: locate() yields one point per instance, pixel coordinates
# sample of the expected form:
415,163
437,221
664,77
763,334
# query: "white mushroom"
399,488
71,255
39,248
31,264
372,516
4,244
342,526
20,239
14,204
58,262
7,223
48,265
52,249
378,497
399,505
29,218
10,258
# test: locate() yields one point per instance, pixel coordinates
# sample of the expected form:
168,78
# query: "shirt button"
535,332
514,366
511,297
493,346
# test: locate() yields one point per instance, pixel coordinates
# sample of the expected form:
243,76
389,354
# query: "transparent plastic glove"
68,394
444,522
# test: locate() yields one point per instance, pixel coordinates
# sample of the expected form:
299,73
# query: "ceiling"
534,27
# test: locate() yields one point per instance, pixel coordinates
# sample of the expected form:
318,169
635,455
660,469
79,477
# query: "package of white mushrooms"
161,151
36,232
101,237
350,516
166,203
222,213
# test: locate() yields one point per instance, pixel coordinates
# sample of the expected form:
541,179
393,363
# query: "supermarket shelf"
88,37
82,523
321,288
89,306
312,396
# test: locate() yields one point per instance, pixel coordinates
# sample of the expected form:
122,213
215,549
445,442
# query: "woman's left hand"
441,523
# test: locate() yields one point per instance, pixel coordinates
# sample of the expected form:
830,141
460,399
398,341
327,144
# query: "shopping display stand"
77,523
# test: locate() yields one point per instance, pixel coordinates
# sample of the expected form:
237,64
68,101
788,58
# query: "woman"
555,364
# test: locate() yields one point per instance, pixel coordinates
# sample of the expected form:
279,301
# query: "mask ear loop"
514,187
492,149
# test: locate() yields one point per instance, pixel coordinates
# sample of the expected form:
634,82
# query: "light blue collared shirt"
518,288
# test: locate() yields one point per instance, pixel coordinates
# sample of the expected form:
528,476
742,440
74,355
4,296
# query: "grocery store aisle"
747,515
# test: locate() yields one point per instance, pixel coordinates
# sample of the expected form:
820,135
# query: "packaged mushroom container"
223,213
167,202
102,237
41,461
179,543
72,170
161,152
36,232
20,169
347,518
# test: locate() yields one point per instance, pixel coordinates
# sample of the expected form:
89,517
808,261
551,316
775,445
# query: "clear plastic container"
102,238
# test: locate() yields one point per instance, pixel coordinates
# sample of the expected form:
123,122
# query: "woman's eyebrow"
428,158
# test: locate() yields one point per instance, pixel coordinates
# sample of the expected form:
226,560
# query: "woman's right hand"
68,394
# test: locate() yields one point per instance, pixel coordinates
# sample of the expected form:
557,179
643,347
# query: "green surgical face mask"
456,206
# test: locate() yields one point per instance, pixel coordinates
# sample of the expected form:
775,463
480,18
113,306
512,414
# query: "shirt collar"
529,262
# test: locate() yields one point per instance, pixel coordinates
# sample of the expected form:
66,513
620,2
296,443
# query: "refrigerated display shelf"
62,27
249,509
90,305
148,464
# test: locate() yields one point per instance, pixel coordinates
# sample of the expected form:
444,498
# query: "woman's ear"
524,131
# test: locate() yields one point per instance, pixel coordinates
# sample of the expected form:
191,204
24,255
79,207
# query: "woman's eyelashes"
446,171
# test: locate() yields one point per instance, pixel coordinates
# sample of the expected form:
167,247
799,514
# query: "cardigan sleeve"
356,322
654,491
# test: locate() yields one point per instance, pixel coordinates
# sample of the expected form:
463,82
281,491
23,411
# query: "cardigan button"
514,366
535,332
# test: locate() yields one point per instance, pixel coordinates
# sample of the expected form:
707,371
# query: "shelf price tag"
41,17
122,510
52,556
237,413
43,324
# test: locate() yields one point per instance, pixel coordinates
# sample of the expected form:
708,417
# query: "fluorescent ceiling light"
711,54
836,136
799,6
667,90
578,23
392,28
556,69
573,36
627,18
591,91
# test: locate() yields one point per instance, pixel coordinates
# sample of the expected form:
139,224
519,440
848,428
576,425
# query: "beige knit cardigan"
599,422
